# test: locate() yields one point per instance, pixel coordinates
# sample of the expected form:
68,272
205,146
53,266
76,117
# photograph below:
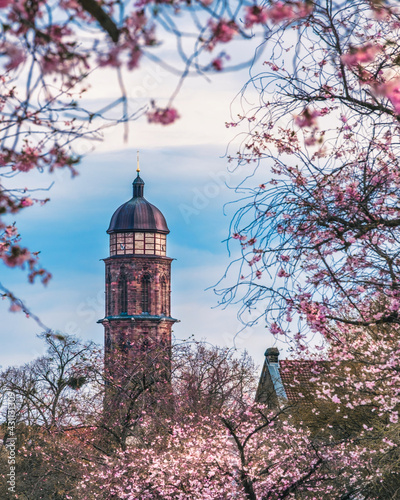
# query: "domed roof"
138,214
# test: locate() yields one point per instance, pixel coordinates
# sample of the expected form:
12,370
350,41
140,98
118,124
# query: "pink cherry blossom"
26,202
304,9
27,160
288,11
164,116
16,256
361,55
137,20
217,64
222,32
281,11
255,15
308,118
15,307
134,58
390,90
15,54
111,58
237,236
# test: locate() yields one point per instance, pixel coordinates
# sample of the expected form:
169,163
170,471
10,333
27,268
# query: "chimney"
272,355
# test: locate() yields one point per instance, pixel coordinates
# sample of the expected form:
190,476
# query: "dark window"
146,293
123,294
164,296
108,341
109,295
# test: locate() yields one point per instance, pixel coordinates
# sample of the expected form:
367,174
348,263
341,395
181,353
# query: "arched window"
108,341
123,293
164,296
146,293
109,294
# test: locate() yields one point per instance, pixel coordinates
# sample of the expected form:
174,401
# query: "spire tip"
138,168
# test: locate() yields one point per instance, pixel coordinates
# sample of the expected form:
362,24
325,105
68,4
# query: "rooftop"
138,214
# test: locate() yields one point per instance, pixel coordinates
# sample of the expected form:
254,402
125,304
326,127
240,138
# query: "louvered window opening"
164,297
123,295
146,294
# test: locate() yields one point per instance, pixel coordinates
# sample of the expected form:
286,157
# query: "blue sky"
186,174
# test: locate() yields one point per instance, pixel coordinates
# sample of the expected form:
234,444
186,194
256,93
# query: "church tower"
138,282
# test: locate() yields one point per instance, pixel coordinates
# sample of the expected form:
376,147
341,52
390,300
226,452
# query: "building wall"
136,274
138,323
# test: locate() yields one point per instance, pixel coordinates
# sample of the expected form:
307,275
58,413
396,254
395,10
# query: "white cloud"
183,171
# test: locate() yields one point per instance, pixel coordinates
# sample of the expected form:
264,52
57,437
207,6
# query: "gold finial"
138,168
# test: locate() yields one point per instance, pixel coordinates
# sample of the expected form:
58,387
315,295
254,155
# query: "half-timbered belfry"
138,279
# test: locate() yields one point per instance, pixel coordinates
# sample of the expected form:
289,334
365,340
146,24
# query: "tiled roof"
79,434
297,377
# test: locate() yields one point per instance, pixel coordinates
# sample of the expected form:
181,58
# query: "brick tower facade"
138,282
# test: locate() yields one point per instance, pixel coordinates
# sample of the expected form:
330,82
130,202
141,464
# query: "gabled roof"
290,380
297,377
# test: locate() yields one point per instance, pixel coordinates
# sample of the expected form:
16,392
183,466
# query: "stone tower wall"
135,271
